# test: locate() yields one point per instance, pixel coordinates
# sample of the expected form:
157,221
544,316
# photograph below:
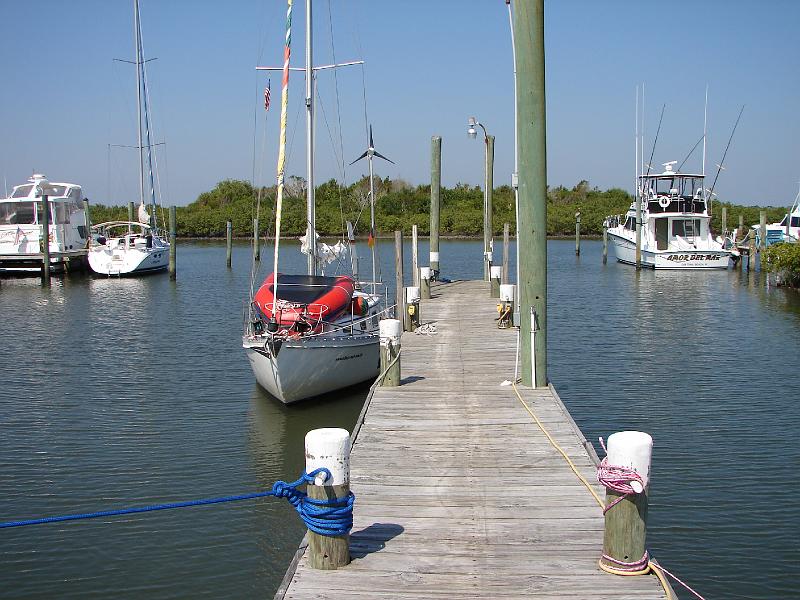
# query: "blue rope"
325,517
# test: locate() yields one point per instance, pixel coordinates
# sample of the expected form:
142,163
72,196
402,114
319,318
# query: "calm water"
129,392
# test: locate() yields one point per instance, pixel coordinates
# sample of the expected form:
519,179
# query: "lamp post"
488,184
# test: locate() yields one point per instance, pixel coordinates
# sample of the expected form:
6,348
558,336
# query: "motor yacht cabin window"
630,223
22,191
686,227
17,213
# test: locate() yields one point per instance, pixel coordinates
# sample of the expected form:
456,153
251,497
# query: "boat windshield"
684,186
22,191
17,213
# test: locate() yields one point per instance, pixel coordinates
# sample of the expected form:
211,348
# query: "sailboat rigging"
305,335
134,247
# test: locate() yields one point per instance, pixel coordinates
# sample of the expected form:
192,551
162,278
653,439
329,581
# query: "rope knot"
618,479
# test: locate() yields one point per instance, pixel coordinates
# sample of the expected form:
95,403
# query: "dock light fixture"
472,133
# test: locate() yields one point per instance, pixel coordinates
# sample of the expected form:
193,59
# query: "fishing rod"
655,140
691,152
724,154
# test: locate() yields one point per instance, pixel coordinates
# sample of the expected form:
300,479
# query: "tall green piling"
436,184
532,228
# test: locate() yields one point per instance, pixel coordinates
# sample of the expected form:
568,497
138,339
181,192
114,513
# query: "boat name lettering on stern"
349,356
686,257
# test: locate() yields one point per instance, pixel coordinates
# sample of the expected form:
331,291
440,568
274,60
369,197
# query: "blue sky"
429,65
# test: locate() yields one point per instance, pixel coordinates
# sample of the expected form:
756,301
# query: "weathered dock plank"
458,493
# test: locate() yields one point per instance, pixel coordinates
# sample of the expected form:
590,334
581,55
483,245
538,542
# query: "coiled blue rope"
325,517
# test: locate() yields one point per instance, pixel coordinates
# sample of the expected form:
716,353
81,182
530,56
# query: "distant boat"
307,335
676,232
21,224
133,247
777,232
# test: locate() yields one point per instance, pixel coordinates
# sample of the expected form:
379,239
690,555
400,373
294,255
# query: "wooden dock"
458,492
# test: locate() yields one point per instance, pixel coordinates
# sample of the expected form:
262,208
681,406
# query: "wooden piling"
400,307
329,448
605,243
425,283
173,243
414,256
436,183
130,212
578,233
390,332
411,316
45,237
724,220
626,522
762,230
528,27
495,276
229,244
506,245
740,230
256,241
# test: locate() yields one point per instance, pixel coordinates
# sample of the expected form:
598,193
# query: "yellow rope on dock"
650,568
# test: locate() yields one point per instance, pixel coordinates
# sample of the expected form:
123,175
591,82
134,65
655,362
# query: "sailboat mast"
137,38
310,214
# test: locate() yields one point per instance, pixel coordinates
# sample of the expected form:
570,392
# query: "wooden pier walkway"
458,492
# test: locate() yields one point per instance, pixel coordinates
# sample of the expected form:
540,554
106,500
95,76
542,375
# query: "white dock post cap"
390,330
412,294
434,257
329,448
631,449
425,273
496,272
507,292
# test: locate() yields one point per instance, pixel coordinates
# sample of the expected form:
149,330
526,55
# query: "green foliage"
398,205
784,259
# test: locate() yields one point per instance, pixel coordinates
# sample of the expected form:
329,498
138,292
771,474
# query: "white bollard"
391,331
329,448
495,275
631,449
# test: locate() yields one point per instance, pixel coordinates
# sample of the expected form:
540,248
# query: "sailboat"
310,334
133,247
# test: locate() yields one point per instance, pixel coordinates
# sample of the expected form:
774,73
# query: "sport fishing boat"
675,230
306,335
134,247
22,224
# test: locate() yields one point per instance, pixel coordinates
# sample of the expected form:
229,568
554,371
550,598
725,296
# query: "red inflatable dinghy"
304,300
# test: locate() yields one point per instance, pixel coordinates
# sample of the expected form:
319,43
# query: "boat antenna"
705,131
368,154
720,166
655,140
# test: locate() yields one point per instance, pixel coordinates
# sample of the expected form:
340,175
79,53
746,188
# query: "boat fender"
663,201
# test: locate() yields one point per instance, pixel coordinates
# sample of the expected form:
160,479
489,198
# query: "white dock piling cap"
507,292
489,256
329,448
496,272
412,294
390,329
434,257
631,449
425,273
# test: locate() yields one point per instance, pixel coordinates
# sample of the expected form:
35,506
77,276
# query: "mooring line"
329,517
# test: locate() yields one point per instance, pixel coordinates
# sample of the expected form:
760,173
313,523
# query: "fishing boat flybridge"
22,223
134,247
306,335
675,224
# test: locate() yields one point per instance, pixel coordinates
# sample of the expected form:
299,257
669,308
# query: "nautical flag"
266,95
371,238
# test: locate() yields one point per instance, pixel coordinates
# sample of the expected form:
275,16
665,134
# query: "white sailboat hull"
625,250
104,260
309,367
